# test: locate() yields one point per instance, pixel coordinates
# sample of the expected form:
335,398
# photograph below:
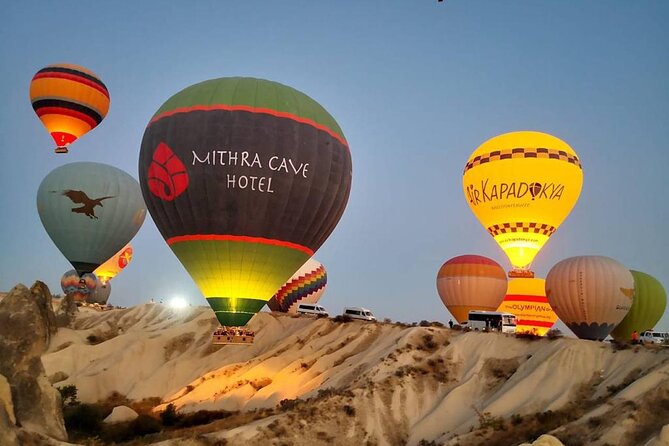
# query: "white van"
311,309
654,337
359,313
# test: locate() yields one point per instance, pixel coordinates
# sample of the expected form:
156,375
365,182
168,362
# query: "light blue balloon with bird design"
90,211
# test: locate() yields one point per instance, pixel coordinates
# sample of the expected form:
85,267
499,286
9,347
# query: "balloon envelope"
306,286
521,186
650,301
100,295
526,299
70,100
90,211
245,179
80,288
471,282
591,294
114,265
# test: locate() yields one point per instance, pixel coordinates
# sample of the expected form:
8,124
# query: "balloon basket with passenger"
233,336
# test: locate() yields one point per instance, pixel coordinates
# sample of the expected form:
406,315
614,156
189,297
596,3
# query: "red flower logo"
167,174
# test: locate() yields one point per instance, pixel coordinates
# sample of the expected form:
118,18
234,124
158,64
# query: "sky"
416,86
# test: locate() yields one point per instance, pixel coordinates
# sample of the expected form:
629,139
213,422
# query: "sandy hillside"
364,383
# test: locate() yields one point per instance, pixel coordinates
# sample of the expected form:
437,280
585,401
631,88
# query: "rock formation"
120,414
66,311
662,439
545,440
7,418
307,381
27,323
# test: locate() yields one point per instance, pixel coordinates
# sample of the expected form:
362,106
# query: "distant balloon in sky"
90,211
471,282
526,299
306,286
100,295
70,100
79,287
650,301
245,179
114,265
591,294
521,186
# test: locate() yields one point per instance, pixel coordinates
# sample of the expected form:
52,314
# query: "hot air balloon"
650,301
90,211
245,179
591,294
521,186
471,282
114,265
526,299
100,295
306,286
70,100
79,287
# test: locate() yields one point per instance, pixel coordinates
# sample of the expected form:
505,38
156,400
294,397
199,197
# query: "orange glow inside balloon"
521,186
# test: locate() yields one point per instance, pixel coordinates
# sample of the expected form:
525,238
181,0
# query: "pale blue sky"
415,85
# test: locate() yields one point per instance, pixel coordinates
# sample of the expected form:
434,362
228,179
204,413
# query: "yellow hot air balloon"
114,265
521,186
526,299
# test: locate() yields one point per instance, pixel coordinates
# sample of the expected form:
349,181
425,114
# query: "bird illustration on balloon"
88,204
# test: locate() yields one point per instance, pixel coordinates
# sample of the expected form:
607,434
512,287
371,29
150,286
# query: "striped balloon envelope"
306,286
245,179
100,295
70,100
591,294
526,299
471,282
79,287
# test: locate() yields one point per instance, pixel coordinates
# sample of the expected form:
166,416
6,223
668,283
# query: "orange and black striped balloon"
70,100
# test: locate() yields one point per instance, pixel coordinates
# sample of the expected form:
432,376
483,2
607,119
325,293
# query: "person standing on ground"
450,323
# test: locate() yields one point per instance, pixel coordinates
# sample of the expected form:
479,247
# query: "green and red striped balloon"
245,179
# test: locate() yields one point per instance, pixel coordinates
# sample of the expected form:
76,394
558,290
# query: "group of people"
234,331
489,324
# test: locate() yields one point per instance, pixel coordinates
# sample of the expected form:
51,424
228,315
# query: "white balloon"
591,294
